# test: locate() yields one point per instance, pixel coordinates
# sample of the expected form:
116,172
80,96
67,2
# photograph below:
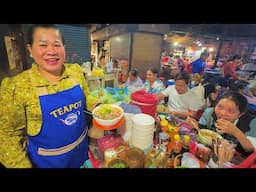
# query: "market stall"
162,141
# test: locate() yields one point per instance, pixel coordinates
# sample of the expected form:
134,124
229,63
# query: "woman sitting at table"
153,84
133,82
230,118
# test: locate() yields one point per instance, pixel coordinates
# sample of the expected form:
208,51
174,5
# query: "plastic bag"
109,141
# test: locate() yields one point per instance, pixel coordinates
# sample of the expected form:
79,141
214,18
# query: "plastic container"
135,158
189,160
109,67
145,101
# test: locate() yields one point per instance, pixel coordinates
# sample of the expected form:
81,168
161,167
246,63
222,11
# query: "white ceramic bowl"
107,122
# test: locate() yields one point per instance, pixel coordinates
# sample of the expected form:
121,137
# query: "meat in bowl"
107,114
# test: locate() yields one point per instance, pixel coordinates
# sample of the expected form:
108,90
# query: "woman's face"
48,50
227,109
132,78
151,76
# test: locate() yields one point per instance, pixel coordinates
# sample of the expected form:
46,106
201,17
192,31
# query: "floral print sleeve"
12,126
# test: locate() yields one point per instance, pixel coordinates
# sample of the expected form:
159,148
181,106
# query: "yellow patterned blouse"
20,110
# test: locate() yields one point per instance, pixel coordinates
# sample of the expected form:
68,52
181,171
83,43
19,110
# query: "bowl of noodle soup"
107,114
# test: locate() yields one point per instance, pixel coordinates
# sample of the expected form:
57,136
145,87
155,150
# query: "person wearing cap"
250,93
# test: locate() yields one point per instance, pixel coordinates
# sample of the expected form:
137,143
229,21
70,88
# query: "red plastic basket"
249,162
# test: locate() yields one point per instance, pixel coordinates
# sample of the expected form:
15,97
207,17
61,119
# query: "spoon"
88,112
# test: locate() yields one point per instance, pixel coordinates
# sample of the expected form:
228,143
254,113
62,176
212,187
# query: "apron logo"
71,118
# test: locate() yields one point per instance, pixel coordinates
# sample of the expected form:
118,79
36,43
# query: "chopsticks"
223,150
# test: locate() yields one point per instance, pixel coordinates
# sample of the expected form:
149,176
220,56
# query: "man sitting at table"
182,102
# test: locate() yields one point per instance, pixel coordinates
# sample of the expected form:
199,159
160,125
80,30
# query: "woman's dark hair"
237,98
183,76
154,70
33,28
134,73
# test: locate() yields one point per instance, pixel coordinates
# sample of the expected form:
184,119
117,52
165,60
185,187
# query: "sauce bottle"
186,144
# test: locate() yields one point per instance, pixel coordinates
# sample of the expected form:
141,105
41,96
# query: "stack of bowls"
142,131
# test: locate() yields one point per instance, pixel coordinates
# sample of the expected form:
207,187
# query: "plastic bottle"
186,144
176,148
109,66
164,124
177,144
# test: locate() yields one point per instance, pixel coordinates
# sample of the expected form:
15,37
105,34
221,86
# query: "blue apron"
62,141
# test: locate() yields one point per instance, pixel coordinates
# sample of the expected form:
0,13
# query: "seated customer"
230,118
182,102
153,84
250,93
133,82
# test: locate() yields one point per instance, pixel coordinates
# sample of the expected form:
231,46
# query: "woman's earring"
31,55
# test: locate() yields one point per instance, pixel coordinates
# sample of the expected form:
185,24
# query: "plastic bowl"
117,163
107,122
206,136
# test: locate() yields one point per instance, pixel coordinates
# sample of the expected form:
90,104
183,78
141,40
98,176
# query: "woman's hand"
192,122
225,126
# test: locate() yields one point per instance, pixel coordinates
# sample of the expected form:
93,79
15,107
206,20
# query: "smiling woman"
46,109
47,50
